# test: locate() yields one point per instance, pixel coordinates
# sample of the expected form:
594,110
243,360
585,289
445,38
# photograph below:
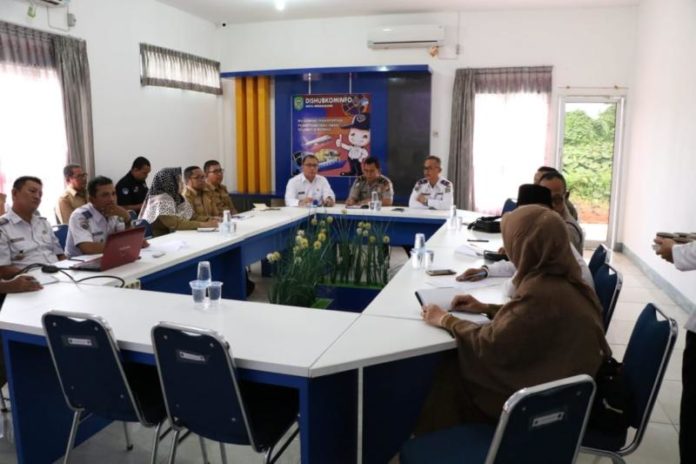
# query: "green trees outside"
588,151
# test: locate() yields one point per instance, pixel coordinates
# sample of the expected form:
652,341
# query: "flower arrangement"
332,250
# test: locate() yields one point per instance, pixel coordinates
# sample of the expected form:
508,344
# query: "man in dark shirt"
132,189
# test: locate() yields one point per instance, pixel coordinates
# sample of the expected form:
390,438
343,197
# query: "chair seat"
465,444
271,410
604,440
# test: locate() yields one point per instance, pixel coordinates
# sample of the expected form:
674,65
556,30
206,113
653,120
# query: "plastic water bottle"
375,203
453,221
418,251
226,226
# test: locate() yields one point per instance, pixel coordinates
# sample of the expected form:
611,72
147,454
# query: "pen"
478,274
476,240
76,259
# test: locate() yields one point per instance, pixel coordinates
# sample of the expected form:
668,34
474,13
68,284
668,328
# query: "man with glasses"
75,194
198,195
308,188
554,181
219,193
131,190
433,191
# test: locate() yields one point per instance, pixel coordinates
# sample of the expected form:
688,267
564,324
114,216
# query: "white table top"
271,338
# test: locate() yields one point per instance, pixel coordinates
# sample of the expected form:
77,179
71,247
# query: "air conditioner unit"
414,36
51,3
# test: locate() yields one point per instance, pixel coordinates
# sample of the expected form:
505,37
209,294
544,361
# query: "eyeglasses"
429,168
80,176
311,165
216,171
200,177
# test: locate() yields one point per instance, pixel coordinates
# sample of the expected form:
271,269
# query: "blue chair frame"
599,257
203,394
540,424
93,378
61,233
644,365
509,205
143,223
607,282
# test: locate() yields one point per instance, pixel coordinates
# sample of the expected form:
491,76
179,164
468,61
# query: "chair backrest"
199,383
143,223
645,362
61,233
544,423
88,364
598,258
509,205
607,282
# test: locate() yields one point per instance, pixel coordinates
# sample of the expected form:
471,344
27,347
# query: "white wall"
587,47
660,186
168,126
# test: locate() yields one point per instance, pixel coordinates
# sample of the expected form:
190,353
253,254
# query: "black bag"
489,224
612,406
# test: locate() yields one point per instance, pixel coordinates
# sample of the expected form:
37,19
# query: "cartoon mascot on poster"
359,138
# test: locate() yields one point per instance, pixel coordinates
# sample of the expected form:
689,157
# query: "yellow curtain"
252,112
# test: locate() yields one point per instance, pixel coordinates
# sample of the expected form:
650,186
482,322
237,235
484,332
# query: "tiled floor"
659,444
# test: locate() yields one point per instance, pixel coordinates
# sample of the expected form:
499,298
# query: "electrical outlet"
134,284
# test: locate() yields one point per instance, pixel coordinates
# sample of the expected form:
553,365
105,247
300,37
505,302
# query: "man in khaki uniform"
221,197
370,181
199,196
75,194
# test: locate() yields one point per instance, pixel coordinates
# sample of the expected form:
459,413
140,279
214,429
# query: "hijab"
167,181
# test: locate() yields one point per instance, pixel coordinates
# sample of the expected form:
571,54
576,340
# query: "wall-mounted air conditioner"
414,36
51,3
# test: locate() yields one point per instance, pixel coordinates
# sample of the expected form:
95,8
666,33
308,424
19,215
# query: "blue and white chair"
204,395
543,424
644,365
607,283
599,257
61,233
94,379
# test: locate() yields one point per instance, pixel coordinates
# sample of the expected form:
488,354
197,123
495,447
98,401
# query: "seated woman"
166,208
550,329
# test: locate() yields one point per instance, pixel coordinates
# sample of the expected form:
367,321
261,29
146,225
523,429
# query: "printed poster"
333,127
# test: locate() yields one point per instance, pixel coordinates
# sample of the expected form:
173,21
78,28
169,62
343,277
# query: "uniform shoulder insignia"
445,182
4,221
422,181
86,214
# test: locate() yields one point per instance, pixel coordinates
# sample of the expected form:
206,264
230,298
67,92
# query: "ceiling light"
280,5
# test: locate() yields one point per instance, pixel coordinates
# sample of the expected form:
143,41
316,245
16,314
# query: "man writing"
308,187
370,181
26,237
90,224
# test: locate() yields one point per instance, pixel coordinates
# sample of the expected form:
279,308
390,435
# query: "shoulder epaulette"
4,221
445,182
422,181
86,214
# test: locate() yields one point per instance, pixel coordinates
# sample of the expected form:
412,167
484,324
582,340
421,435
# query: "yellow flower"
305,243
344,211
329,219
322,223
385,239
298,260
373,239
300,233
270,257
276,256
295,249
321,237
317,245
314,221
367,225
365,233
359,231
298,239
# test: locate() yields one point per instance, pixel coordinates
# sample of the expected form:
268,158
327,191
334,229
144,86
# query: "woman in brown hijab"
550,329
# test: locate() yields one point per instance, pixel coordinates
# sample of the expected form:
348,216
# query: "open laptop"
120,248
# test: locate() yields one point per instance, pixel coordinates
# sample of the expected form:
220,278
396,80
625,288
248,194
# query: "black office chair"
644,365
599,257
95,381
541,425
203,394
61,233
607,283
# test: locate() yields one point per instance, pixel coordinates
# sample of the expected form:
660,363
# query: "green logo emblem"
299,103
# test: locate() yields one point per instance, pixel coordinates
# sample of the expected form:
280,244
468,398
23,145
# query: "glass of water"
215,293
198,289
204,274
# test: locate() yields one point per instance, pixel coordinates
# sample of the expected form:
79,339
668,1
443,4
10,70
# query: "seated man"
528,194
221,197
26,237
92,223
545,170
3,199
131,190
198,195
555,182
75,194
372,180
433,191
308,187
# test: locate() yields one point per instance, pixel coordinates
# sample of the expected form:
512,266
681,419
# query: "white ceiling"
245,11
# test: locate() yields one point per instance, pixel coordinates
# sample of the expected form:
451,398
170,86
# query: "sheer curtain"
169,68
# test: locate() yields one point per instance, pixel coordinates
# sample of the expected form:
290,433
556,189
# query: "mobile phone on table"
440,272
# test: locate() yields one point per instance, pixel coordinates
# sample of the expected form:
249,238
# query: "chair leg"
172,452
71,437
3,403
204,452
155,444
270,457
223,454
129,445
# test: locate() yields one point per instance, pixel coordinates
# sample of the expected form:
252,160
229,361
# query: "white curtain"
509,144
170,68
32,131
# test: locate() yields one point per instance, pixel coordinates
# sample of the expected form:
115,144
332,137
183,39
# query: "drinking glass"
198,291
215,292
204,273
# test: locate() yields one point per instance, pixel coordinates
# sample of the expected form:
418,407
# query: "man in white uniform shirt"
90,224
433,191
308,187
26,237
684,258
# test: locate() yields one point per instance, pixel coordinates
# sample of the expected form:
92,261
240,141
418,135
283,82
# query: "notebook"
120,248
